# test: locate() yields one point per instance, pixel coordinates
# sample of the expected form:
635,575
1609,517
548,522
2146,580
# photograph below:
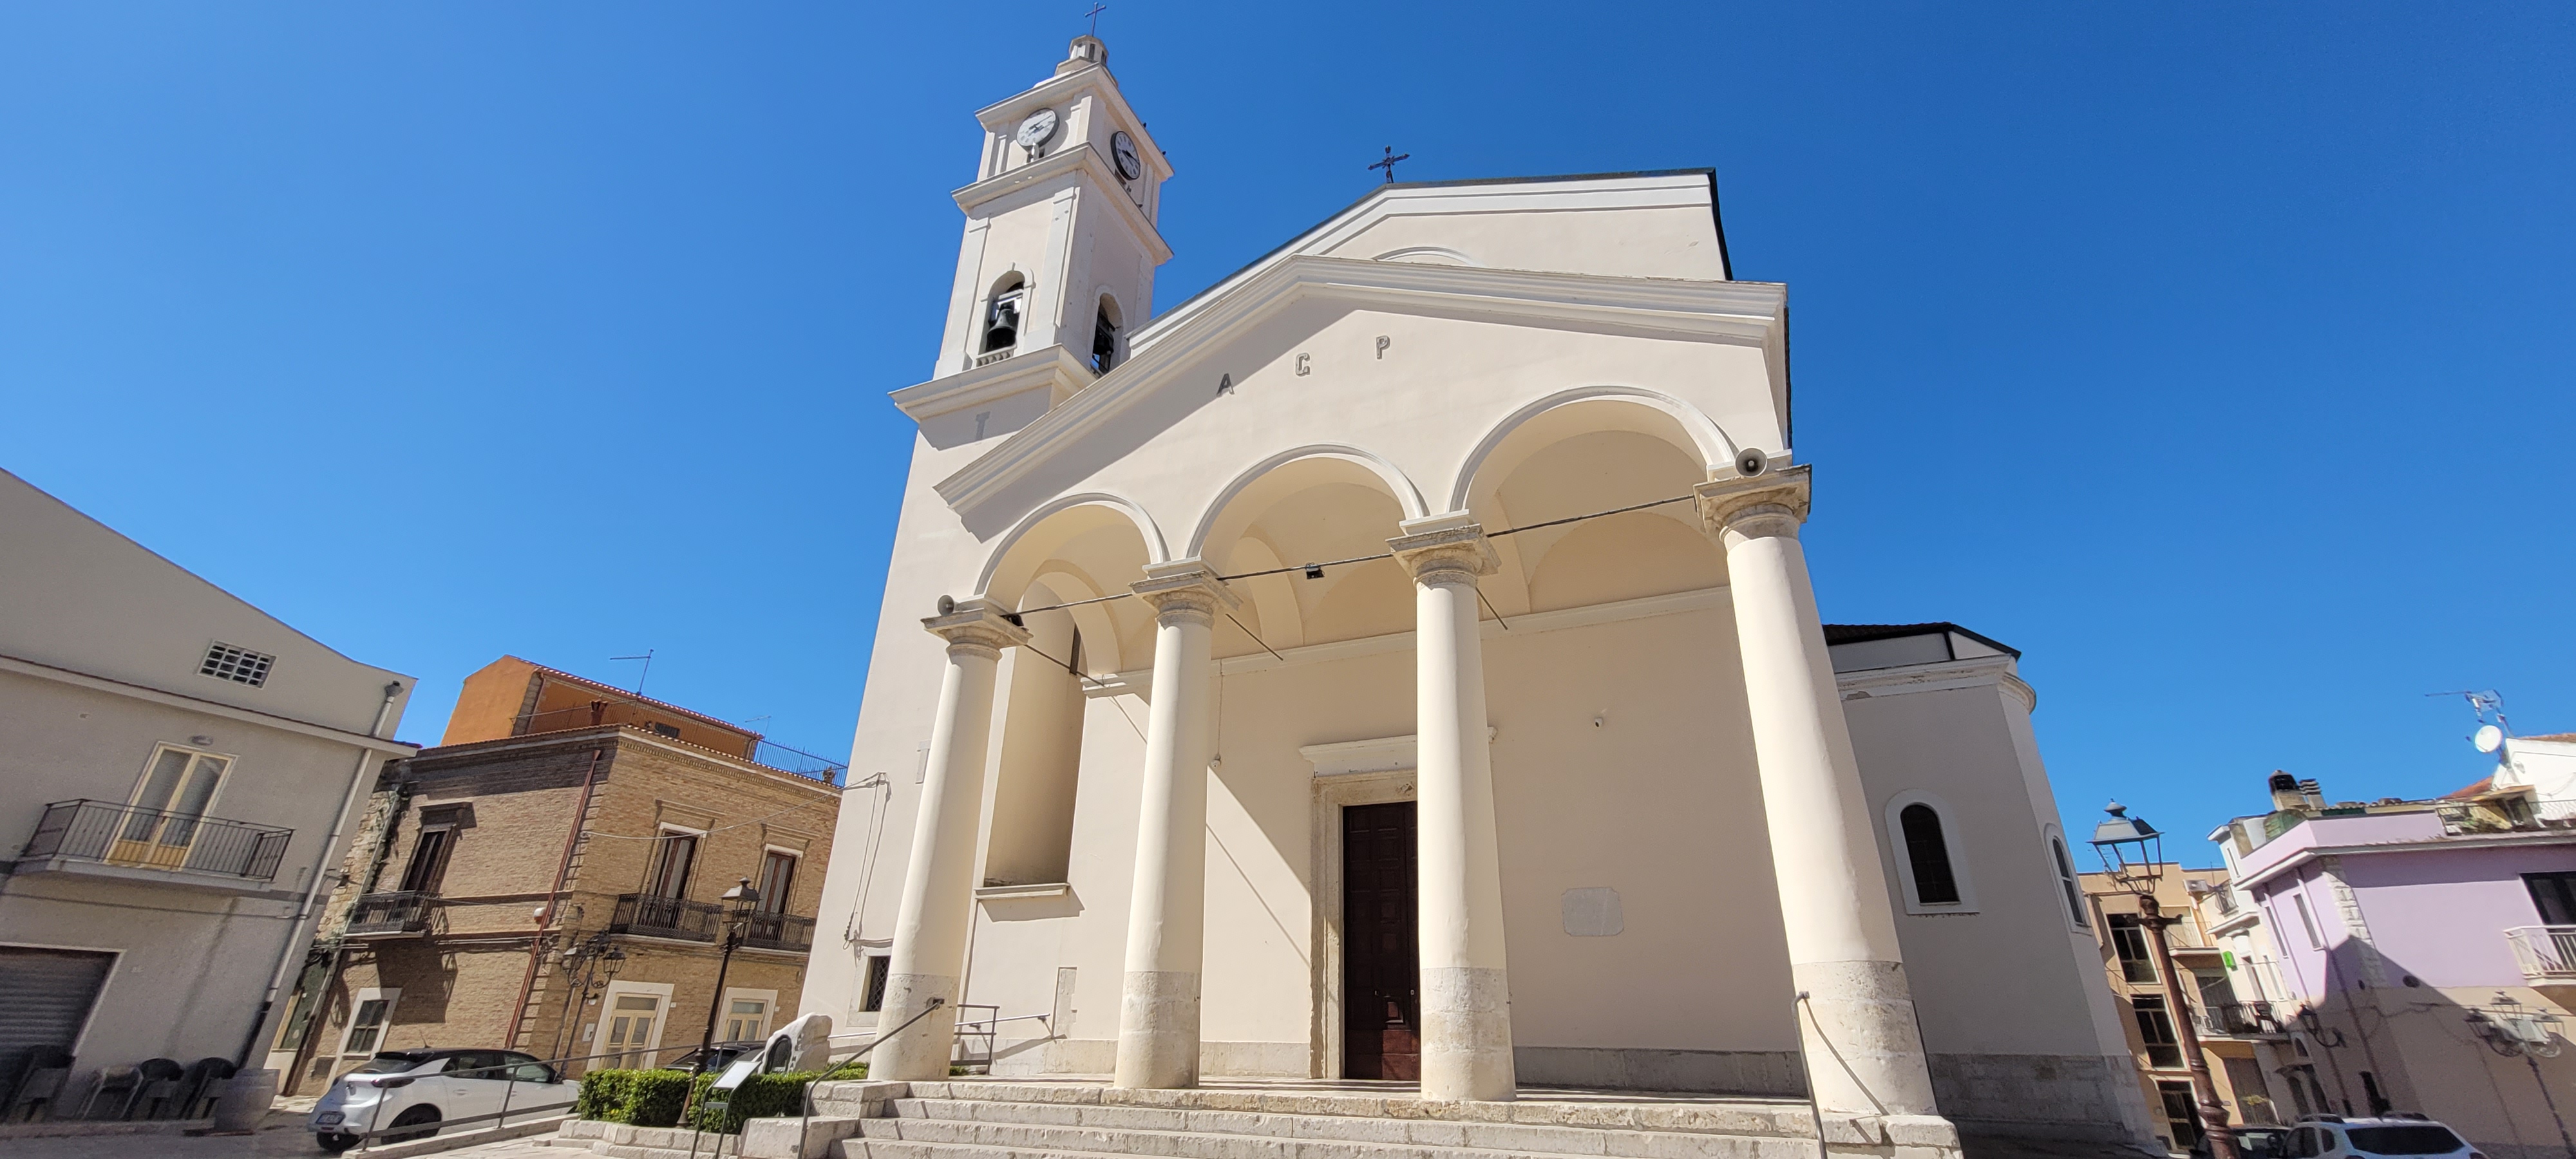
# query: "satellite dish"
2488,738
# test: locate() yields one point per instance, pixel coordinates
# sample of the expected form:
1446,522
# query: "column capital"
1449,548
1770,504
1185,588
978,626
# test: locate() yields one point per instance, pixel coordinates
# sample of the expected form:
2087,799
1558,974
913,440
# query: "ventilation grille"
239,665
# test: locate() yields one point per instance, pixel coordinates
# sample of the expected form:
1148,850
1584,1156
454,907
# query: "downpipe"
296,936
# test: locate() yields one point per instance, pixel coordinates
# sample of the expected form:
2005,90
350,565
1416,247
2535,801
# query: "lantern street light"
739,902
2133,853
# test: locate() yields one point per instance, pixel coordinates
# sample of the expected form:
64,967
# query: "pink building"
2424,950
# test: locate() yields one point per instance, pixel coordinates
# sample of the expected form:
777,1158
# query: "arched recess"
1291,469
1076,549
1589,450
1314,504
1591,408
1015,559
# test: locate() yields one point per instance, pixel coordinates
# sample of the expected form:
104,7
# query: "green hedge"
761,1096
643,1098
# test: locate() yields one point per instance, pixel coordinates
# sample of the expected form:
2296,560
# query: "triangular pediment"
1093,423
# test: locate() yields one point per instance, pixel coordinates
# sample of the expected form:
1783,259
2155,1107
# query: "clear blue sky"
2214,355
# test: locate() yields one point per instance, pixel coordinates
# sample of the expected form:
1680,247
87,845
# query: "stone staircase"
1291,1119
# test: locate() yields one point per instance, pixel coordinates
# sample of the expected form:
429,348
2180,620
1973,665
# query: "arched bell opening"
1005,314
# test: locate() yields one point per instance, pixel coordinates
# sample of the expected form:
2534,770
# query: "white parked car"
423,1088
2330,1137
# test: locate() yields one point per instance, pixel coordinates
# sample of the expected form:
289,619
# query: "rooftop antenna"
647,658
2484,702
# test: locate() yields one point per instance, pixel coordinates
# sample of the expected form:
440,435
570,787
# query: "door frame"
1334,791
607,1010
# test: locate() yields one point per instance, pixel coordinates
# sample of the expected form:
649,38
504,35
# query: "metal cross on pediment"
1094,14
1388,163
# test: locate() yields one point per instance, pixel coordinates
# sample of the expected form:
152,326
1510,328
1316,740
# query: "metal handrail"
368,1137
804,1121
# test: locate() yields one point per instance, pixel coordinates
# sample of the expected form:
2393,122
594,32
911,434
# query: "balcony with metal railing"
383,916
2546,953
653,916
103,838
2239,1020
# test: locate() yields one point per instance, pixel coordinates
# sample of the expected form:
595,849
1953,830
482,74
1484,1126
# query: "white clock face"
1122,149
1035,131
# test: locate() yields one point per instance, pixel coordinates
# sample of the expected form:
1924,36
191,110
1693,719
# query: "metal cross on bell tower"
1388,163
1094,14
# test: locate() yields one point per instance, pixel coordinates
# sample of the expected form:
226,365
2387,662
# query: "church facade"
1398,662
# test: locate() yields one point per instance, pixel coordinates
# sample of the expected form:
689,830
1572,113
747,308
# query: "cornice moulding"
1940,676
1000,115
1633,191
1053,367
1074,160
1732,313
179,700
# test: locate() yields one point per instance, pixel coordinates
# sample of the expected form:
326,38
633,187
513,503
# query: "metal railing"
767,931
379,914
655,916
2544,952
768,754
113,834
512,1076
2239,1020
2503,814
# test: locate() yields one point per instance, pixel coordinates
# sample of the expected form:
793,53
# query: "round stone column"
936,914
1158,1001
1466,995
1864,1052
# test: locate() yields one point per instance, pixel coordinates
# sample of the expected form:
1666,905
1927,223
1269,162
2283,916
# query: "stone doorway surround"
1360,772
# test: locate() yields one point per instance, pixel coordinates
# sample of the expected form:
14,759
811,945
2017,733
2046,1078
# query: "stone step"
1237,1135
1758,1117
858,1098
1252,1121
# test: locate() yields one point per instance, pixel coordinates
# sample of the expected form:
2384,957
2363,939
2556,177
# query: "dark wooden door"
1381,976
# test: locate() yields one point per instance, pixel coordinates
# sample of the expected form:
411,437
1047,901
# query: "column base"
1158,1030
921,1052
1864,1048
1467,1035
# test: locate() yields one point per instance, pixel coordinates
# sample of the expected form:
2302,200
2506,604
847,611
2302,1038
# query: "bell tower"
1060,244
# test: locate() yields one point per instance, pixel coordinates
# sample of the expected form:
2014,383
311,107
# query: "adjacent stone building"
499,879
2239,1033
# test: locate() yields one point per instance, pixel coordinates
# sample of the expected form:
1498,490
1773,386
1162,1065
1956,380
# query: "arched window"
2067,882
1104,336
1002,314
1929,854
1925,840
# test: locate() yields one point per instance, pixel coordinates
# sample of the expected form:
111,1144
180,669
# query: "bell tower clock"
1060,244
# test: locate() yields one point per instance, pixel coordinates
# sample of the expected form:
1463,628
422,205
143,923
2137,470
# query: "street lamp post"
2133,852
590,965
739,903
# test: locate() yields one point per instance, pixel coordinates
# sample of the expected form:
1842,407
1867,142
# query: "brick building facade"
451,929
